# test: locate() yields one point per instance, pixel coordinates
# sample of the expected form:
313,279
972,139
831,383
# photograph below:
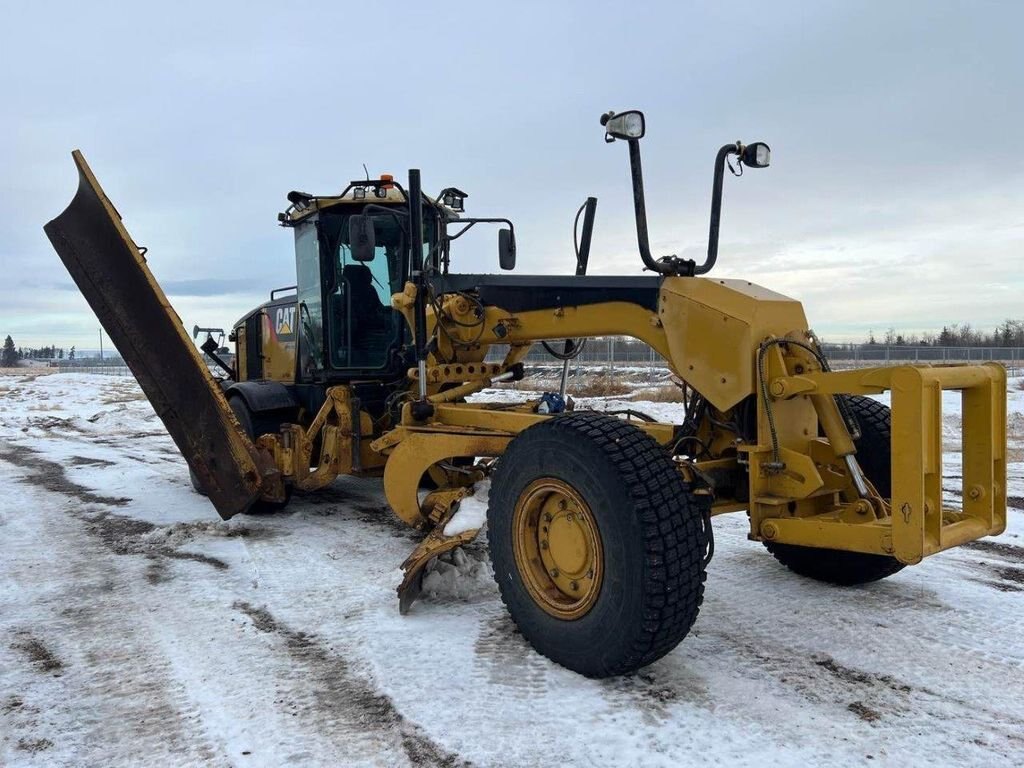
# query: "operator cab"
347,328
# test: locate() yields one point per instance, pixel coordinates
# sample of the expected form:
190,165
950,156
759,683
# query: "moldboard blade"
111,273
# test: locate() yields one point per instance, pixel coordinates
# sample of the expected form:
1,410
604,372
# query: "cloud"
214,287
894,196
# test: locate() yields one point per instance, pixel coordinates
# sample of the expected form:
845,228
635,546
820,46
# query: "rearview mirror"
362,238
625,125
506,249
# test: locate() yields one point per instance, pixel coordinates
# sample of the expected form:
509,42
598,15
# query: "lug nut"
575,585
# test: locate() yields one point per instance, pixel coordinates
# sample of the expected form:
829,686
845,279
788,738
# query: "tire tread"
672,524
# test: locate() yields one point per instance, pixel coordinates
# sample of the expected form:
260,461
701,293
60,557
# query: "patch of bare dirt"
864,712
86,461
34,745
128,536
998,548
41,657
1002,586
1005,578
858,677
12,704
62,424
50,476
181,533
123,535
1015,575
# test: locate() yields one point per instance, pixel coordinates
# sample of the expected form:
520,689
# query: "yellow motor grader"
599,526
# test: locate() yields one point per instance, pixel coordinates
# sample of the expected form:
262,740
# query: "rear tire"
874,453
635,548
256,424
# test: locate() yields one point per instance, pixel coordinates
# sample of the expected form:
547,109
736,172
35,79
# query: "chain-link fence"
622,352
618,351
112,367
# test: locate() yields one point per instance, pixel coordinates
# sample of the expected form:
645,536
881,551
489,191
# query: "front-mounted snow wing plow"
111,272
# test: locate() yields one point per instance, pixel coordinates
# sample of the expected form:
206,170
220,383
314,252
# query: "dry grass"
127,397
1015,426
665,394
599,386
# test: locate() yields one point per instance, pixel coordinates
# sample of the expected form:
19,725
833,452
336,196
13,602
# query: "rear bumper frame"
918,523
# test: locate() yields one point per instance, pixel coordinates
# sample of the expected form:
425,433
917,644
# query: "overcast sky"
895,196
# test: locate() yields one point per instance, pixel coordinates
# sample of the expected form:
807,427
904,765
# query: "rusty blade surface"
112,274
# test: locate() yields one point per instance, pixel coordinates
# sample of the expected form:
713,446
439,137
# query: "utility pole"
101,344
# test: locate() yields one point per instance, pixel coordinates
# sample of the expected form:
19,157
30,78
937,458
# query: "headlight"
757,155
625,125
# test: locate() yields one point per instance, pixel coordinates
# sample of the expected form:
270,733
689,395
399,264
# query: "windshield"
386,273
363,330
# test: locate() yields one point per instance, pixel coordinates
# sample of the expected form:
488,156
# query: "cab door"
309,320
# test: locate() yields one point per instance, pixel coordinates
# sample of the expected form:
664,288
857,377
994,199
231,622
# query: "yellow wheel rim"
557,548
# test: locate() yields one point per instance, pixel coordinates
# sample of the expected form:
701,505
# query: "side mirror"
624,125
506,249
362,238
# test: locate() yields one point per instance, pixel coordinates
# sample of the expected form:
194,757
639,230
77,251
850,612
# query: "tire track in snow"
368,718
89,688
804,677
898,625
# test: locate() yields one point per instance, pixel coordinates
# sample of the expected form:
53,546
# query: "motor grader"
598,525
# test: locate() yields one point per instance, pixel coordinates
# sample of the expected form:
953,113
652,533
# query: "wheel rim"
557,547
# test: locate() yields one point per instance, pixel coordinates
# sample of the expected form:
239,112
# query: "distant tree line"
11,354
1009,333
39,353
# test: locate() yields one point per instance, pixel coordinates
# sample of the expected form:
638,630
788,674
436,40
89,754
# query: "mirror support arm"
716,207
476,220
640,210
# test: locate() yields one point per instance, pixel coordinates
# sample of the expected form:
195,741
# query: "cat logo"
284,323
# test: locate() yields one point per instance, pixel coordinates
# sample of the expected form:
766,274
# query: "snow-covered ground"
136,628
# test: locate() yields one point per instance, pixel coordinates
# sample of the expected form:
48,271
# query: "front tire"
874,453
597,543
